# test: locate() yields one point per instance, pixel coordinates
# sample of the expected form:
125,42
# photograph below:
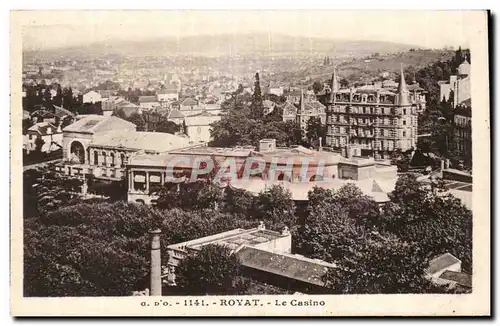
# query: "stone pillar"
155,263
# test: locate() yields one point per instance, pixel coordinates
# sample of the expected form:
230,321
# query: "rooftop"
299,152
189,102
43,127
291,266
147,99
62,112
232,239
461,278
140,140
442,262
217,151
202,119
175,114
95,123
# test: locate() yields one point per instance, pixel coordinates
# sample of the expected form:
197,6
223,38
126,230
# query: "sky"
432,29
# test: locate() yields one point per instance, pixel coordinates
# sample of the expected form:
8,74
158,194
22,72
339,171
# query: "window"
154,179
122,160
404,111
404,122
104,158
404,133
96,158
112,155
139,181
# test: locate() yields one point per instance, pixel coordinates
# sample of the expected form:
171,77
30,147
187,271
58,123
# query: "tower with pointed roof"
403,94
301,108
334,87
376,119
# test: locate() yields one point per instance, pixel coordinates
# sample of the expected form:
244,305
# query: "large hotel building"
378,119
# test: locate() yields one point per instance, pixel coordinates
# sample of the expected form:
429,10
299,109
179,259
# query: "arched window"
112,155
122,160
104,158
281,176
77,152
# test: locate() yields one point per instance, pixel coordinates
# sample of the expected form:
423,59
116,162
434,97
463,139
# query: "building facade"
102,146
92,97
48,133
457,86
379,120
309,109
198,126
297,169
462,129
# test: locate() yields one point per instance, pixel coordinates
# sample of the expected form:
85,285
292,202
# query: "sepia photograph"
287,162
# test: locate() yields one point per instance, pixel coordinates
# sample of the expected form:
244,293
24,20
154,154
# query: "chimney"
347,152
267,145
155,263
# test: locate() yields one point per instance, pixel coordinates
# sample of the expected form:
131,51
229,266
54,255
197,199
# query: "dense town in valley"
339,171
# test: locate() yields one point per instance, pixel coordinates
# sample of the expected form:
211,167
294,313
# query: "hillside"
229,44
367,68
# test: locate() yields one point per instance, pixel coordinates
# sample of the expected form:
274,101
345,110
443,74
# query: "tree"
167,127
138,120
382,264
315,130
198,195
211,271
66,122
438,223
275,207
47,96
39,142
257,107
58,99
344,83
26,124
238,202
317,87
239,90
120,114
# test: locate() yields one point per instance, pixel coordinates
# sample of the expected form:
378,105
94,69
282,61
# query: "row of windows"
373,110
388,145
111,159
385,121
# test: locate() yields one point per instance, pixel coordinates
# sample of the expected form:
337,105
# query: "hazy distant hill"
254,43
356,69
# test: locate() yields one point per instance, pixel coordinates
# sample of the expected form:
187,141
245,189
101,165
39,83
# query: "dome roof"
464,68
